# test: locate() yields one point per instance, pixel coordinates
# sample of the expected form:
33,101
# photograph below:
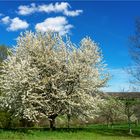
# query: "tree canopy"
47,75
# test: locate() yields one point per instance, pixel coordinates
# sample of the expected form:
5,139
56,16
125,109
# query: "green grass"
90,132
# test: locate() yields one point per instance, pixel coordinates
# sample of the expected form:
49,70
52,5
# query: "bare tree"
134,70
112,110
130,101
134,51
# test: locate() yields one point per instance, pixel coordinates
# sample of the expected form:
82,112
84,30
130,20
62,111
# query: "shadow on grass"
104,131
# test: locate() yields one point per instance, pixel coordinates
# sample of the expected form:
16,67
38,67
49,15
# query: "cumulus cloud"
57,7
57,24
27,9
14,24
62,7
17,24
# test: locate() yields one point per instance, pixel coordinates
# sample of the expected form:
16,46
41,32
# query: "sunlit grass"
91,132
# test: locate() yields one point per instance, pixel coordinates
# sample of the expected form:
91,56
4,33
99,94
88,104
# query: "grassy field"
91,132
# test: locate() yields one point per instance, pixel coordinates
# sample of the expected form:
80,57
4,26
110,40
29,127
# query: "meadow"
89,132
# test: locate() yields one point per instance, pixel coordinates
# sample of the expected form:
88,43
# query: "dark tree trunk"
112,122
52,121
68,118
107,120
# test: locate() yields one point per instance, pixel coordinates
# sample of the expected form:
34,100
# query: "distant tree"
3,52
129,111
47,77
4,115
112,110
130,103
137,113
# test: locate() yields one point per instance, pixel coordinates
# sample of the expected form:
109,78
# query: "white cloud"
17,24
62,7
14,24
26,9
5,20
72,13
57,24
57,7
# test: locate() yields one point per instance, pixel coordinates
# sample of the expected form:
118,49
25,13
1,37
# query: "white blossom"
46,75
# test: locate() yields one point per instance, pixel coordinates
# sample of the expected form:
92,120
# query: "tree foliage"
46,75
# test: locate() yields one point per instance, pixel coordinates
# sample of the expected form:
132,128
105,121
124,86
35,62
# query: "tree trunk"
52,124
112,122
107,120
52,121
128,117
68,118
129,126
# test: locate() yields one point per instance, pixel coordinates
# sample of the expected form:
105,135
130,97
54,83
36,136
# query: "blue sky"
108,23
